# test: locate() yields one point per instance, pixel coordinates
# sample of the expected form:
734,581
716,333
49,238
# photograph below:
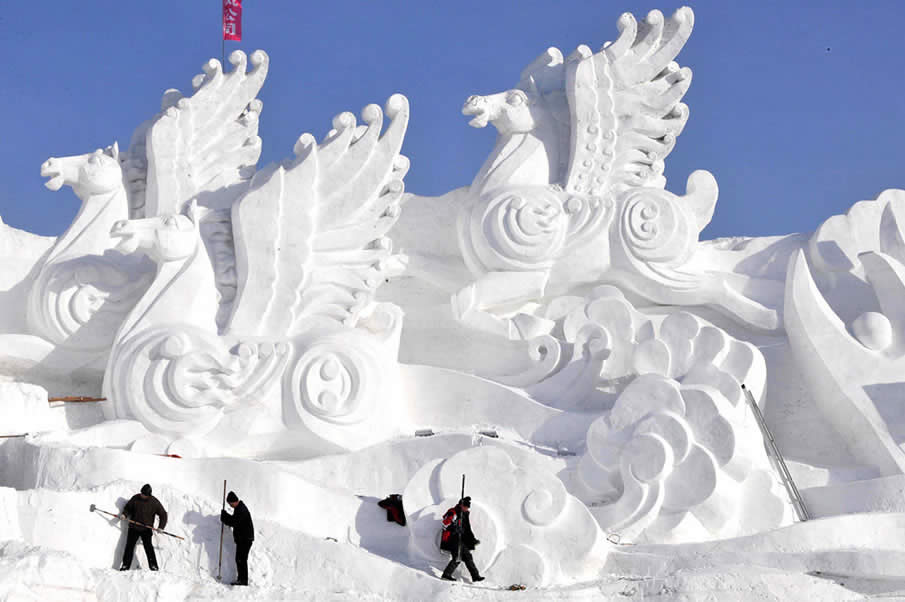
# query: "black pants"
469,564
131,540
243,547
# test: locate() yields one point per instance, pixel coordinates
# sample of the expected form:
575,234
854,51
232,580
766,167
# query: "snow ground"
321,536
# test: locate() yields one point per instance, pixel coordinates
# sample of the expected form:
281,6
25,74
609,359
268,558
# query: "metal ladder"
772,450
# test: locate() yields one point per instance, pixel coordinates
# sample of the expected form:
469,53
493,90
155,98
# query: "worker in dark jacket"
456,530
142,508
243,534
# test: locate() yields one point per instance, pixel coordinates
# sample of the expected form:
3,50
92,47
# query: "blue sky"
798,112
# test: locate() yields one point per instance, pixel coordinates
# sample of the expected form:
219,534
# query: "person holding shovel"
142,508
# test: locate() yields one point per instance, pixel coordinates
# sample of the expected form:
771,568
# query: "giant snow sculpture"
305,346
573,192
564,339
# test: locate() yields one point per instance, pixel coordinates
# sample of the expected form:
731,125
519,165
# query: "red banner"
232,20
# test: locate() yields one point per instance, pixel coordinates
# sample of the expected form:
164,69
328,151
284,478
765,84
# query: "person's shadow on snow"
123,532
206,535
377,534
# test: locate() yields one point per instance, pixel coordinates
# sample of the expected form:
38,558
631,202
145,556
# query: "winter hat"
465,501
232,497
146,489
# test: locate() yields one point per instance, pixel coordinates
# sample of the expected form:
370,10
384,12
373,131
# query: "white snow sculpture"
531,529
679,457
573,192
236,312
84,288
857,380
674,462
591,347
306,347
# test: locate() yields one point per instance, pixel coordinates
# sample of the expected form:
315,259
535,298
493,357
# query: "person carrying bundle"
458,539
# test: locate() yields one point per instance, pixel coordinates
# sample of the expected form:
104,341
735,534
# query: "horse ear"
113,151
532,87
194,212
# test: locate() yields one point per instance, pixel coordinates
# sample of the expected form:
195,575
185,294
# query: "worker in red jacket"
458,539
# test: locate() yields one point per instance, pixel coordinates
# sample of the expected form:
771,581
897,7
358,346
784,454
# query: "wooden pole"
73,399
13,436
220,560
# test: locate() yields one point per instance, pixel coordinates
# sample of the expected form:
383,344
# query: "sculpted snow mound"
531,529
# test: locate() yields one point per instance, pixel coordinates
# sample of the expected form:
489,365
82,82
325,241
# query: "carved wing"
201,143
625,104
309,234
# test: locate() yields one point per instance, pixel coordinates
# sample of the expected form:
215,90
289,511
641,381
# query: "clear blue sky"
798,108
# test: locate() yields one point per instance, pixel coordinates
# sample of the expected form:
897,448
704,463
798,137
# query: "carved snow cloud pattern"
676,462
679,456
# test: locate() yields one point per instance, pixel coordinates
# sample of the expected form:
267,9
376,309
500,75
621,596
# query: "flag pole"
222,40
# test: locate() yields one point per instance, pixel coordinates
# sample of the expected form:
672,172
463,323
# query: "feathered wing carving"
201,143
309,233
625,105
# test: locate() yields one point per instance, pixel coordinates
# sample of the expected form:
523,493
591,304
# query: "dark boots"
469,564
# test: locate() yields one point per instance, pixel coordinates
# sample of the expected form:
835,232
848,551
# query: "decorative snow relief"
679,457
305,347
531,530
676,462
574,194
859,259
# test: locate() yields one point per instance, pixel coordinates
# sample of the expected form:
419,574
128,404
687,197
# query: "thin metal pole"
773,450
222,41
220,560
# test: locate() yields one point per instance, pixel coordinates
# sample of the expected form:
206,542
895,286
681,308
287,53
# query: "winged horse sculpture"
305,348
84,286
573,193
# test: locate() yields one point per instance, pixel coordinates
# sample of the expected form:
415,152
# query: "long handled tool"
220,560
459,522
773,450
94,508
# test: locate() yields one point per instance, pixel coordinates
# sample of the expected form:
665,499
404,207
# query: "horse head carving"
90,174
533,124
163,238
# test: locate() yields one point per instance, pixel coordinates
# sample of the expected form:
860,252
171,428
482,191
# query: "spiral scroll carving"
655,229
336,381
80,303
180,381
328,384
518,229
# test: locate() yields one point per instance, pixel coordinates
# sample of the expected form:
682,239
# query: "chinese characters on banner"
232,20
